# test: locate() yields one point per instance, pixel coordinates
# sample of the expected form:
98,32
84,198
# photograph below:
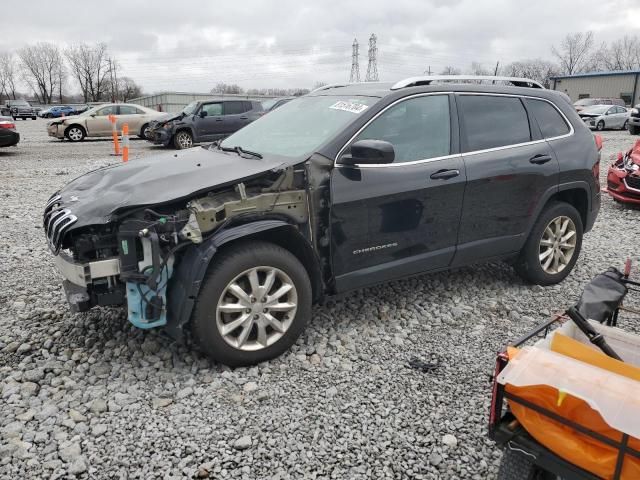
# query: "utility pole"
372,67
428,70
355,66
495,73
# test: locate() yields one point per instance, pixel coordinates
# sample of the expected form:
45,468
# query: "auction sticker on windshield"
352,107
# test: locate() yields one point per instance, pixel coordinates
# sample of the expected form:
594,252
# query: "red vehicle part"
623,177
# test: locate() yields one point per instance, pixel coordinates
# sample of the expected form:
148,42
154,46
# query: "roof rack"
342,84
417,81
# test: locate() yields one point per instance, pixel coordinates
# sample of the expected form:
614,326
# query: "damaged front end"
623,177
132,256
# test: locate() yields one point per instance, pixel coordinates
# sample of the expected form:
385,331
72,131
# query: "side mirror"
203,113
369,152
92,115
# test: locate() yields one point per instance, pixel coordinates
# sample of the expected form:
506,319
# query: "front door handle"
445,174
244,117
218,119
540,159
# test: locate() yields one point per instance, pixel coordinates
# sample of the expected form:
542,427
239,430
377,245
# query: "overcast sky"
186,45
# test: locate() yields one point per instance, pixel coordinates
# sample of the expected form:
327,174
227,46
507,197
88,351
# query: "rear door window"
235,107
549,119
493,121
128,110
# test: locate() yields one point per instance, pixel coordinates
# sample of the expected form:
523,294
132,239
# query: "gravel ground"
89,395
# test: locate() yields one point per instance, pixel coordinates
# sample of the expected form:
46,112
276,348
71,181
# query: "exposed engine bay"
131,259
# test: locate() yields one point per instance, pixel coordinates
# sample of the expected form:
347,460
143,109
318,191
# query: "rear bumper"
9,139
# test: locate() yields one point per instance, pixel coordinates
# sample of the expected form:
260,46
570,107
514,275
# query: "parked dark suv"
346,187
204,122
634,120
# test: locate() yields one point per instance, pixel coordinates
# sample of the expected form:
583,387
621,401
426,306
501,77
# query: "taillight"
6,124
598,139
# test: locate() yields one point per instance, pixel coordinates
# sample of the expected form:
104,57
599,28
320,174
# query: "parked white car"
600,117
95,121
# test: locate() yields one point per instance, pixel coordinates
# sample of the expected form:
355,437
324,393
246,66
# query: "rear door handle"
218,119
445,174
540,159
244,117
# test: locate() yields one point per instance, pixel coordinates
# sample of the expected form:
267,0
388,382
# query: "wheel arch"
80,126
190,271
577,194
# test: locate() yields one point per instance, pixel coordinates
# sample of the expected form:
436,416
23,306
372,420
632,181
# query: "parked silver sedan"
600,117
95,121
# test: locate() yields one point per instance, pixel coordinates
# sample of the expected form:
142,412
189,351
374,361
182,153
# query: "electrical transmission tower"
372,68
355,66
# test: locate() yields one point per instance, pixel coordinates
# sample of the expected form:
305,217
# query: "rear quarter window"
549,119
493,121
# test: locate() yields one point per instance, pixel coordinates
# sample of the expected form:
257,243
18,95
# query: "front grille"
56,220
633,182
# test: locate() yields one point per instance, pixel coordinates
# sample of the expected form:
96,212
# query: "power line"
355,66
372,67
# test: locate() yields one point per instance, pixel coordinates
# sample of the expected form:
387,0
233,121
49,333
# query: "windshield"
21,103
585,102
190,109
267,104
597,109
299,127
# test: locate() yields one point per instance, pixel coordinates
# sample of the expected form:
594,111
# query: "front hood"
589,115
96,196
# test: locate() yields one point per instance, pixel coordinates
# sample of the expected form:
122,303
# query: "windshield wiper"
240,151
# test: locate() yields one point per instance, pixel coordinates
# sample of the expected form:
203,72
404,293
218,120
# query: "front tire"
182,140
600,125
634,130
553,246
254,303
624,125
75,133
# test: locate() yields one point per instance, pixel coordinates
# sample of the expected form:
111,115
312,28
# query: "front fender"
190,271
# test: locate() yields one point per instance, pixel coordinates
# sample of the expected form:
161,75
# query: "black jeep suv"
346,187
204,121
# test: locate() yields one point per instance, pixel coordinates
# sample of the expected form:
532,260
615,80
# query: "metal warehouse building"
624,85
176,101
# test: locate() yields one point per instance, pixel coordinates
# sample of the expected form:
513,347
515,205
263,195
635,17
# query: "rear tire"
553,246
182,140
600,125
518,466
143,131
34,118
268,318
625,124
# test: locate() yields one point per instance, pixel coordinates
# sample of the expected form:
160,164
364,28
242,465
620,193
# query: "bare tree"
225,88
128,89
90,67
41,66
449,70
574,52
8,75
536,69
623,54
478,69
